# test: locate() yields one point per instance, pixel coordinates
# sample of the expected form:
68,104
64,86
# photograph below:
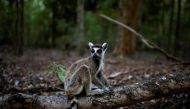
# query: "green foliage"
39,30
57,69
99,30
61,73
93,27
37,20
6,17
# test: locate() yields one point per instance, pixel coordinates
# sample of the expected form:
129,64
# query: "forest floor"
31,71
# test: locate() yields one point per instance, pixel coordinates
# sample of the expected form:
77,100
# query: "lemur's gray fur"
87,74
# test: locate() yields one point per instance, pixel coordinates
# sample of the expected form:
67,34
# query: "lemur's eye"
92,51
99,51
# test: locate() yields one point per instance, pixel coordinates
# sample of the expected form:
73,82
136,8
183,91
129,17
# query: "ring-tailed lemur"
87,74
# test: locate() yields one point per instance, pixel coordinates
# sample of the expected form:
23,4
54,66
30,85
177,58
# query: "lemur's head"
97,50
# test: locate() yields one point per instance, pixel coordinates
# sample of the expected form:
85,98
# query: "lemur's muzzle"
96,56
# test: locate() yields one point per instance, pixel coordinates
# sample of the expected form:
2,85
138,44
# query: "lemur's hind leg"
90,88
85,79
80,80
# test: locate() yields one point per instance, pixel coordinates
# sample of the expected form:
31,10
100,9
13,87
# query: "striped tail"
74,103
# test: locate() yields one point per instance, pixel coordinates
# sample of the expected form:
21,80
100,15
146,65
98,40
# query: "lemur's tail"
74,103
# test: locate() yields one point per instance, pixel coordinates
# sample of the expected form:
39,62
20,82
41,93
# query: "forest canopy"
50,23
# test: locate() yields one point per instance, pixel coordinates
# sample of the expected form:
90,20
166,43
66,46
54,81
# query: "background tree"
50,23
19,26
170,29
130,15
177,30
80,25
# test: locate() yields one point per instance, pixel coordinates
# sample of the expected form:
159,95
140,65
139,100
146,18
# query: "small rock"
171,75
41,78
157,83
153,101
146,75
30,86
129,77
17,82
163,78
115,74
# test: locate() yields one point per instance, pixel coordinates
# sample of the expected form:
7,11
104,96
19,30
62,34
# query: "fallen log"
121,96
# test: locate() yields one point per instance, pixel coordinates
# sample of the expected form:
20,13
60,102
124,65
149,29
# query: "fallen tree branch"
35,89
147,42
180,63
122,95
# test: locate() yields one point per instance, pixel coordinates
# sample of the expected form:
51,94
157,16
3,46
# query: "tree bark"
129,15
19,26
80,24
121,96
177,31
53,26
170,30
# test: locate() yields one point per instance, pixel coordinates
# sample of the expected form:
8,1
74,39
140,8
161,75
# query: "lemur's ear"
104,46
90,44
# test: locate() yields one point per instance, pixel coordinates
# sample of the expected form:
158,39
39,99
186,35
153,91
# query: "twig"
180,63
147,42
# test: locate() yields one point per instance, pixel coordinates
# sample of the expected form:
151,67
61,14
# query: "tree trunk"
170,30
19,25
177,31
53,26
17,36
161,26
80,24
129,15
121,96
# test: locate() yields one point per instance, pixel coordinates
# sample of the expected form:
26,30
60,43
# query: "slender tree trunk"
53,27
161,25
177,31
80,23
130,15
170,38
19,26
52,24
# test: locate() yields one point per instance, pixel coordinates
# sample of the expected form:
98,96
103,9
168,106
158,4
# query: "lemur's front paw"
111,90
108,90
97,91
